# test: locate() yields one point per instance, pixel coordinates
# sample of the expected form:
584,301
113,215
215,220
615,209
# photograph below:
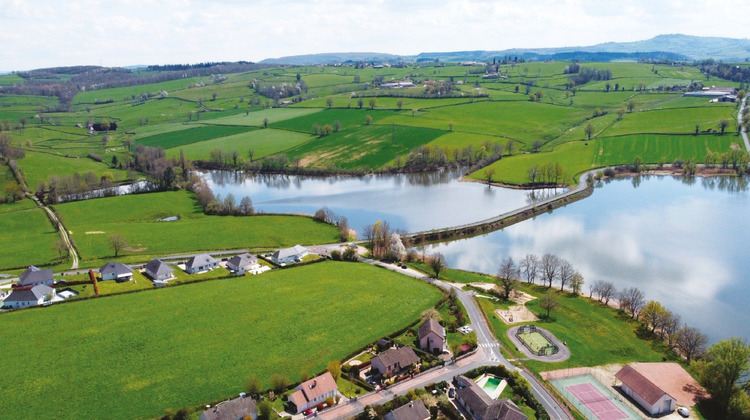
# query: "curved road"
488,353
63,232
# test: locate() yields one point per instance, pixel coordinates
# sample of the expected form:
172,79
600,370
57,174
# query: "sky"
49,33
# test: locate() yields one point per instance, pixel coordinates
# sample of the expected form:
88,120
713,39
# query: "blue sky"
46,33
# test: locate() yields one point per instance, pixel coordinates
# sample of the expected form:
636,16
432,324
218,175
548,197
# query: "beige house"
395,361
481,406
310,393
432,336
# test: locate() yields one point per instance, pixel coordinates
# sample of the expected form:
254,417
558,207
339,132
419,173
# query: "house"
33,276
648,395
480,406
432,336
288,255
199,263
414,410
236,409
239,264
116,271
395,361
310,393
25,297
159,271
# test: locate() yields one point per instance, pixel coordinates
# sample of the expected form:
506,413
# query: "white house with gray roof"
246,262
116,271
199,263
29,296
289,255
33,276
159,271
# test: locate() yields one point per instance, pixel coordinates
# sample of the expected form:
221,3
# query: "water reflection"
410,202
681,245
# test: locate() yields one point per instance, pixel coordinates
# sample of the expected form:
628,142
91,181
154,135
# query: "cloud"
123,32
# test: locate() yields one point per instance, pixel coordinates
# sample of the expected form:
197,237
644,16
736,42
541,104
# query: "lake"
680,240
410,202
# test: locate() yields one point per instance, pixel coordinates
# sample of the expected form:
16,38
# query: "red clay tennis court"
598,404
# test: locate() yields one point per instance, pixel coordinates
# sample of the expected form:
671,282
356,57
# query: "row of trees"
211,204
548,173
327,215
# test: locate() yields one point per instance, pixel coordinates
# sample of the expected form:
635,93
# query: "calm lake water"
681,241
410,202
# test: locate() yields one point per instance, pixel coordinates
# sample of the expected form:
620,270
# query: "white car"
465,329
683,411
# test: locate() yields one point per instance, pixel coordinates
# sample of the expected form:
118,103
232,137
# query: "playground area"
593,399
517,313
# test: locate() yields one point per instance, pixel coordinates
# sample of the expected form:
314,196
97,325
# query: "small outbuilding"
199,263
654,400
116,271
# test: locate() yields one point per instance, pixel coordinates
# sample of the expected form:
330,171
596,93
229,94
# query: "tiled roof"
314,388
401,357
158,267
32,294
116,268
231,410
429,326
243,260
639,384
414,410
481,403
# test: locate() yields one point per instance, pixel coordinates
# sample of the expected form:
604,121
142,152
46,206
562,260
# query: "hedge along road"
743,130
487,354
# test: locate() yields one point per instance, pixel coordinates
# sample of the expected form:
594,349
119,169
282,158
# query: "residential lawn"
135,355
41,166
595,334
364,147
108,287
135,217
191,135
27,237
263,142
349,389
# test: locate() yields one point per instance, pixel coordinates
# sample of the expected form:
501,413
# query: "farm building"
199,263
414,410
432,336
480,405
116,271
310,393
648,395
239,264
395,361
238,408
29,296
289,255
34,276
159,271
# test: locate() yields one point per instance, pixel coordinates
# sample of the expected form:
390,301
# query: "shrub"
336,255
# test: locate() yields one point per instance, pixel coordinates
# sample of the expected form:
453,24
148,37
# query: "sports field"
535,340
592,399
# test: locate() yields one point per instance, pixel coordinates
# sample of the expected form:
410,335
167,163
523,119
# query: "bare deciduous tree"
507,275
690,342
530,267
632,300
550,265
117,243
437,263
564,273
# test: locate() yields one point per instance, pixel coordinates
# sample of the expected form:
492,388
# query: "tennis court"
592,399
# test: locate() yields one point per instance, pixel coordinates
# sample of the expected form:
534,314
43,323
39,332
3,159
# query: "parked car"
308,412
683,411
452,392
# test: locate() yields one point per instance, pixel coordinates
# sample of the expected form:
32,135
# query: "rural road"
63,233
739,121
488,353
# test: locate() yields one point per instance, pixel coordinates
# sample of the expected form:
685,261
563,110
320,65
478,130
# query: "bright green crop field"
134,355
40,166
263,142
26,236
191,135
134,217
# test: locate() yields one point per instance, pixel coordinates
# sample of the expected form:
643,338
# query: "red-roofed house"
310,393
649,396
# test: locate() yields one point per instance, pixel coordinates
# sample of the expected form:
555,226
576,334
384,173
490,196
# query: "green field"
26,235
39,166
134,355
535,340
134,217
263,142
192,135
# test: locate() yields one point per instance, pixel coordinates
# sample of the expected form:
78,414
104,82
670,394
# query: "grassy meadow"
135,218
135,355
27,236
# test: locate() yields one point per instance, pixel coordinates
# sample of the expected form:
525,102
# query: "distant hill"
675,47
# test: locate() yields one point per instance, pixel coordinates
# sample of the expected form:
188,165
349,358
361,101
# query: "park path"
743,131
487,353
